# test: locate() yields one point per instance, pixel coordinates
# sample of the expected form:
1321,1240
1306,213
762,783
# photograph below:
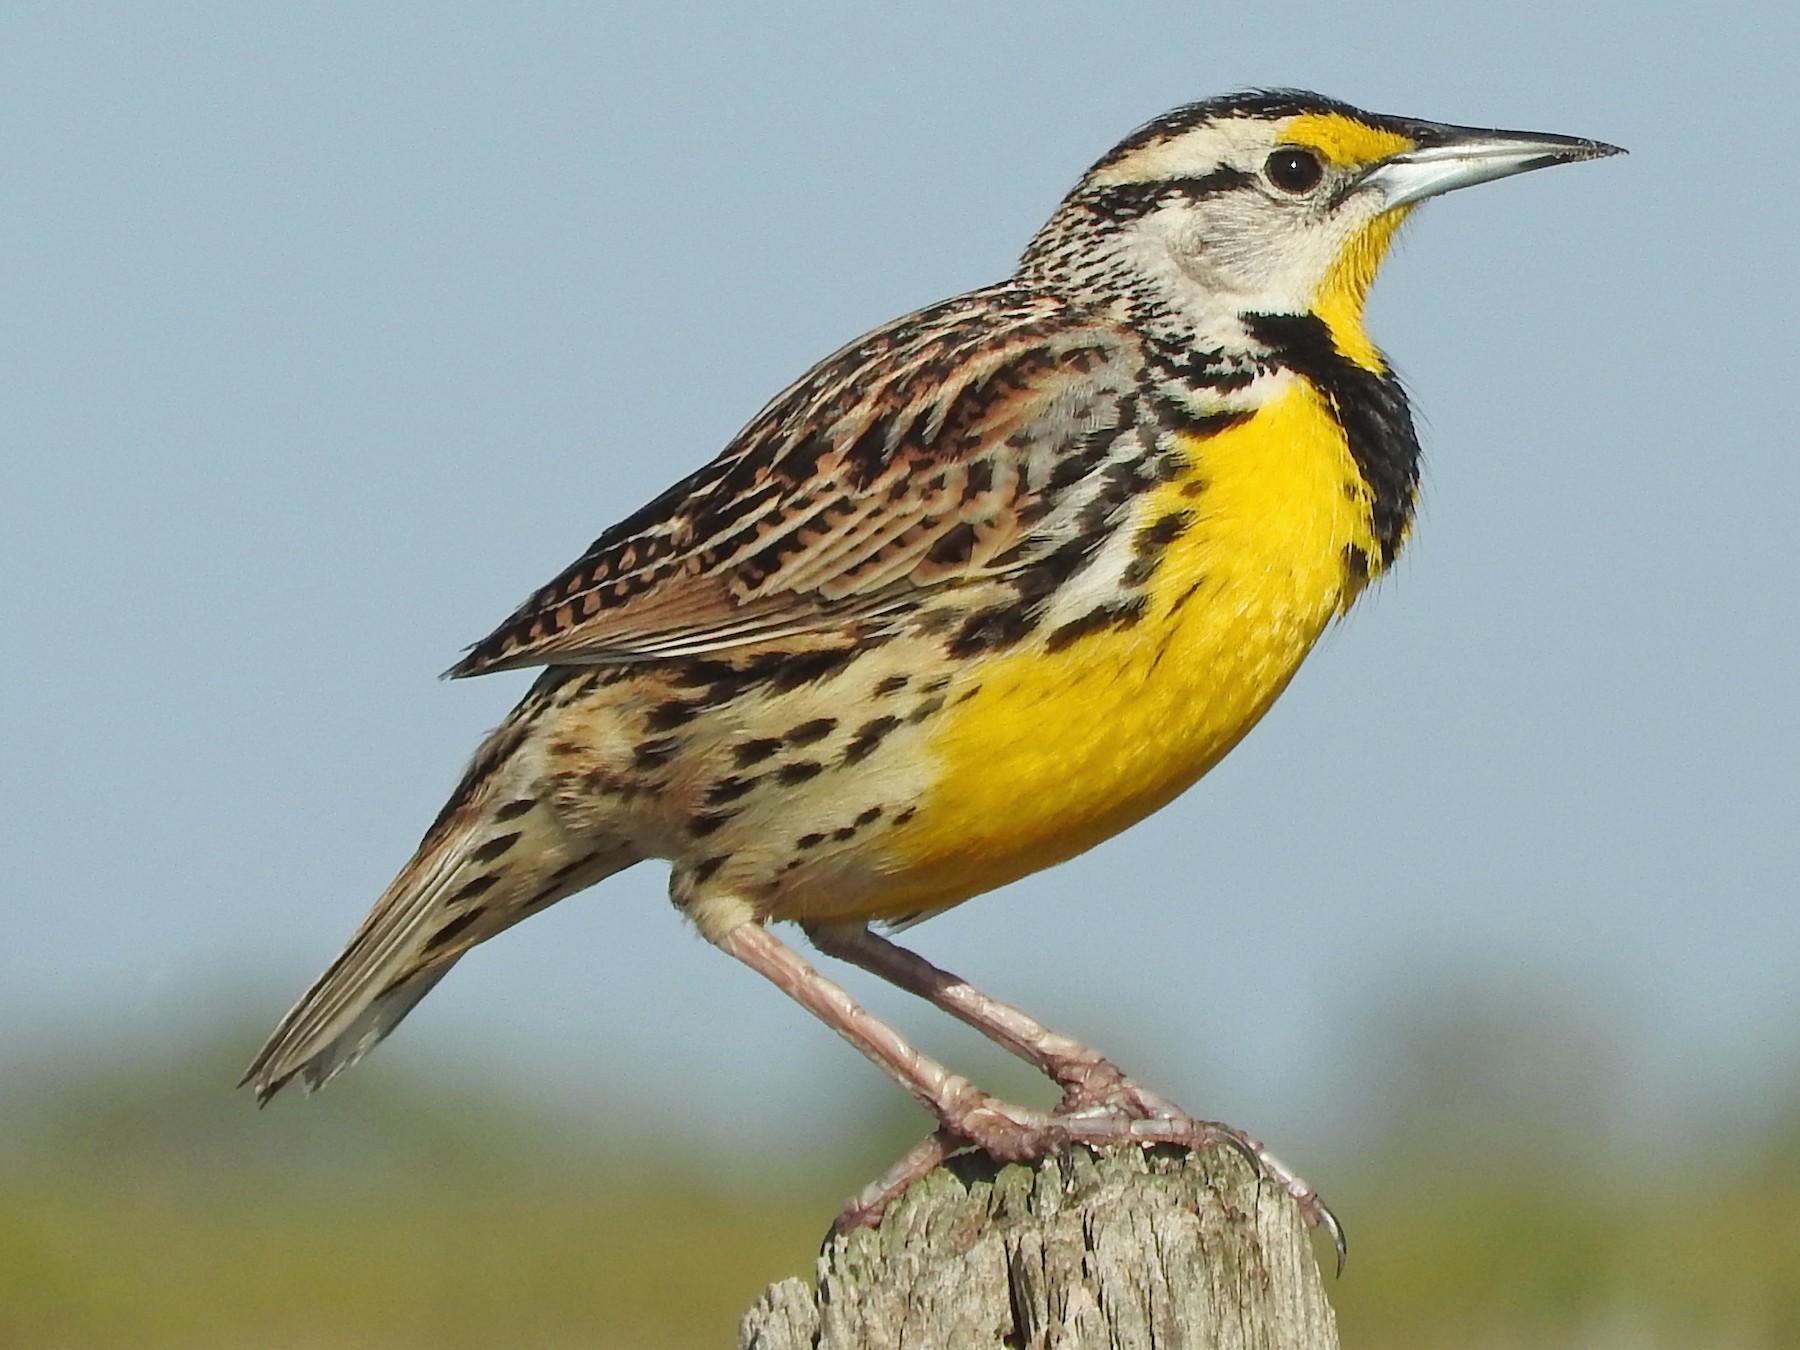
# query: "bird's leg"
1100,1104
1005,1132
1089,1080
1008,1133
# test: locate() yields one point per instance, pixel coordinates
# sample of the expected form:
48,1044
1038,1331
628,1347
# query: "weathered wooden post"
1126,1249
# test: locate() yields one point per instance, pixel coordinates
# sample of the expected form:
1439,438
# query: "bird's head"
1264,203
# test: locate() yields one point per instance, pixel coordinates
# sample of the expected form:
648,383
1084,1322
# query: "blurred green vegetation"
150,1207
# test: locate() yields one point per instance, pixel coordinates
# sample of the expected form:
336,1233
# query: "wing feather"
931,453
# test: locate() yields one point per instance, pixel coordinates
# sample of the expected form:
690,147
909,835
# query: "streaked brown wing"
951,445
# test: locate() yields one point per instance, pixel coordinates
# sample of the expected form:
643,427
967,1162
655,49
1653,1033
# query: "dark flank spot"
893,684
938,619
979,476
1152,541
954,548
1196,485
514,809
1155,537
906,815
1186,596
732,684
934,686
867,737
480,886
1356,566
990,629
843,832
704,823
809,841
799,771
668,716
794,669
729,789
1096,619
653,754
603,782
868,817
450,931
791,864
928,708
706,867
808,732
698,672
494,847
755,752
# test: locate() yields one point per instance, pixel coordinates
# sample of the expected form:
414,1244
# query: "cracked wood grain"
1115,1250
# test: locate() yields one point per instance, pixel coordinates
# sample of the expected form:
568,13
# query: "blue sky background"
328,331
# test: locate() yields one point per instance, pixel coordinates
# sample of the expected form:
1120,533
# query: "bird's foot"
1097,1085
1011,1134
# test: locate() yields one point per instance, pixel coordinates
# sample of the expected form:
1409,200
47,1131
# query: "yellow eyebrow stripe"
1342,140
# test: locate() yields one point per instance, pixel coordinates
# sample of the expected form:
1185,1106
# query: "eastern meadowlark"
974,593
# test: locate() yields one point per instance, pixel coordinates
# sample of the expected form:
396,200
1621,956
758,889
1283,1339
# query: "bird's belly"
1041,754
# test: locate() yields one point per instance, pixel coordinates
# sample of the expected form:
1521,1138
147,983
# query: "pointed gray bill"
1458,157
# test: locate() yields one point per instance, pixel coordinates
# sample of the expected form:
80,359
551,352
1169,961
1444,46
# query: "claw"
1325,1219
1011,1134
866,1208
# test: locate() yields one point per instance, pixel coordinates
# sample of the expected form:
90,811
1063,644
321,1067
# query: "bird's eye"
1294,171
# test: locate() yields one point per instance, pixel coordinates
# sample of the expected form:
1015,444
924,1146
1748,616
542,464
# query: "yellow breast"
1047,753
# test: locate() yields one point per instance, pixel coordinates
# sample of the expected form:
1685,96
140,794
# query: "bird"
981,589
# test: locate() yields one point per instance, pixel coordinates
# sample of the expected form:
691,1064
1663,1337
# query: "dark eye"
1295,171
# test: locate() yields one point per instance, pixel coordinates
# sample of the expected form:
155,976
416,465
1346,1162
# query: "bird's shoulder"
935,449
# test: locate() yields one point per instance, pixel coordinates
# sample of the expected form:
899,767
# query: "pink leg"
1087,1078
1007,1133
1100,1104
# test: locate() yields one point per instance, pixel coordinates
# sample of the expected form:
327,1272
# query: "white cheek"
1267,261
1161,250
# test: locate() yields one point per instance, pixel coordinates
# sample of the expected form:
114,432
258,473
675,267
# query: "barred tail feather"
470,879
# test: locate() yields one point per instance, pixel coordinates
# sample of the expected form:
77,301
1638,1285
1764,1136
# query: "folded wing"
957,444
